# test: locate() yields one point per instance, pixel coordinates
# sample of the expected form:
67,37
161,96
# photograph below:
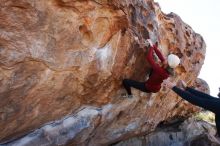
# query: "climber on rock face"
197,98
158,73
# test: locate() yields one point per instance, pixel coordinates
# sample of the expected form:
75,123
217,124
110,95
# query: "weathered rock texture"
189,133
58,56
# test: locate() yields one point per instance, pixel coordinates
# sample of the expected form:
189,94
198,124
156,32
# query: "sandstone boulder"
58,57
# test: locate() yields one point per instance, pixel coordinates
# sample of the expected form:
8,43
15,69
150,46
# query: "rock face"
66,58
189,133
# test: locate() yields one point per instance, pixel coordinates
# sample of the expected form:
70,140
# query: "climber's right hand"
150,42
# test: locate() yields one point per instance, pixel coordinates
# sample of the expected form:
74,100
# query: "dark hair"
170,71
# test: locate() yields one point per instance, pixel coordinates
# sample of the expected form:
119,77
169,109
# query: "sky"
204,17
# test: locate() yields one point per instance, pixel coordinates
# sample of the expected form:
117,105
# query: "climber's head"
173,61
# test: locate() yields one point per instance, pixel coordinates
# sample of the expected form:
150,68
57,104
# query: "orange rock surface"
58,56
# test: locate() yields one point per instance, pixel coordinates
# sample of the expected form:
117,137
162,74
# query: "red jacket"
153,84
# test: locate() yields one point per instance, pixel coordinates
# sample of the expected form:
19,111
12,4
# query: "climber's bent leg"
135,84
